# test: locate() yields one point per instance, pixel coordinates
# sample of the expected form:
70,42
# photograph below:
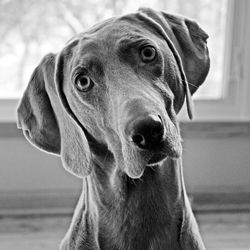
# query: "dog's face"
116,92
118,86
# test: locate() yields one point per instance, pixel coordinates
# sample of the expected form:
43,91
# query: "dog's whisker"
106,155
153,168
140,179
189,83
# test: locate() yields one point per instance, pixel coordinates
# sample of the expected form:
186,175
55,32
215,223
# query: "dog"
107,104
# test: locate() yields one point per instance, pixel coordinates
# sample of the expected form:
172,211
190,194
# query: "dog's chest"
150,235
147,224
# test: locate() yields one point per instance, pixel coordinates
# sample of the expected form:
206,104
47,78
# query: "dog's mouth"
135,168
156,159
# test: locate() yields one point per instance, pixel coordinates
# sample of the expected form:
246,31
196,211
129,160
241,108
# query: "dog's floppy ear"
46,123
188,43
189,40
36,116
75,149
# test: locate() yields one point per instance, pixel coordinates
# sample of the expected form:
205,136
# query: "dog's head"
112,94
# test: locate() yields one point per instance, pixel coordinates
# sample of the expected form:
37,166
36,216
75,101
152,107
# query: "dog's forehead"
106,37
115,28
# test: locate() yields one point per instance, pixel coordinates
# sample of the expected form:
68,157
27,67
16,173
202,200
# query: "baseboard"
63,202
42,202
220,202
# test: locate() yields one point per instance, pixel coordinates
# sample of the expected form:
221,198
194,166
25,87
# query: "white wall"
25,168
217,165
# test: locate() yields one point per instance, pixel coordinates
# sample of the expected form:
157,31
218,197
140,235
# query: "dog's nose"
147,132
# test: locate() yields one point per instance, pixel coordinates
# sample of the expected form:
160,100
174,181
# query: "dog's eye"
84,83
148,54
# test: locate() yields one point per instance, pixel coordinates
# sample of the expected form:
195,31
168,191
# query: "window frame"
233,106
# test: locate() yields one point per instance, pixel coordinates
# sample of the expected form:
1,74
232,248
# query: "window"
32,28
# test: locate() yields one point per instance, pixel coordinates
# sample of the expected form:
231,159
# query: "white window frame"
235,103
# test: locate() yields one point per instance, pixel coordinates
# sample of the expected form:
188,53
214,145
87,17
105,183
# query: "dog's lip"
27,134
157,158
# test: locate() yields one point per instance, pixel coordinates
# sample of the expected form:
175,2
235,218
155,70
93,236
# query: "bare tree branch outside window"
32,28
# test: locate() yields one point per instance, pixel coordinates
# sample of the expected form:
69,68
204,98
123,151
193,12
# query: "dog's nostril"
139,140
147,132
157,131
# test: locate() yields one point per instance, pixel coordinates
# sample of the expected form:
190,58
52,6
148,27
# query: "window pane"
32,28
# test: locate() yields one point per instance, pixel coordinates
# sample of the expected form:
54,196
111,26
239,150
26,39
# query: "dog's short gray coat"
133,197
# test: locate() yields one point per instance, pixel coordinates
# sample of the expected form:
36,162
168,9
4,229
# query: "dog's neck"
117,212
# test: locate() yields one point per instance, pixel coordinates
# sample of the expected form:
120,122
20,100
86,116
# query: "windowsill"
8,110
219,110
195,129
215,129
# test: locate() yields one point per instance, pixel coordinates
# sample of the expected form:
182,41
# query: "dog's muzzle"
149,136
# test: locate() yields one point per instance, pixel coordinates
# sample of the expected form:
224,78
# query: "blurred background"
37,195
30,29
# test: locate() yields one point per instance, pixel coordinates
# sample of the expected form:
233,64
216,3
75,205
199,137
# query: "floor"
221,231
